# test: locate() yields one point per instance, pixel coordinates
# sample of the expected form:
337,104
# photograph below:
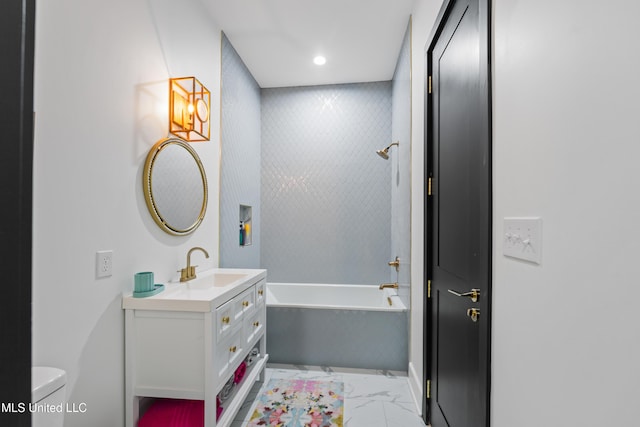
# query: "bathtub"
348,326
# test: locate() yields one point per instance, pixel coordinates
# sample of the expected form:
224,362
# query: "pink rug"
299,403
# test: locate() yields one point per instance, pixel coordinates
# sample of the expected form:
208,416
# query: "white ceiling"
278,39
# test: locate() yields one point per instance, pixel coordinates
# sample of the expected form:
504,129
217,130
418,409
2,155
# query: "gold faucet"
389,285
189,272
395,263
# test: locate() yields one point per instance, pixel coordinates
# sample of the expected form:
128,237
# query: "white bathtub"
326,296
349,326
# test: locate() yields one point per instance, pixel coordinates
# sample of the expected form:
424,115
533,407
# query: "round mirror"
175,186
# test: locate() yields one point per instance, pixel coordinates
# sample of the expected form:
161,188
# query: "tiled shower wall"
401,166
326,195
240,165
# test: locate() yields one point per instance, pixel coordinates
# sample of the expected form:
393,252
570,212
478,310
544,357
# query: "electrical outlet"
104,263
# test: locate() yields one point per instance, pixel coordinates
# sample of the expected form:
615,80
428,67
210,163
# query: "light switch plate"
522,238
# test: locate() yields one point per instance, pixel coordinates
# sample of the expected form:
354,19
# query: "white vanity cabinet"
188,341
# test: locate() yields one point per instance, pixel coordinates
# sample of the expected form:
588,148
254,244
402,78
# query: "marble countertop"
203,294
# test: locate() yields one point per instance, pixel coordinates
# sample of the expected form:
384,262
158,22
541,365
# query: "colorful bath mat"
299,403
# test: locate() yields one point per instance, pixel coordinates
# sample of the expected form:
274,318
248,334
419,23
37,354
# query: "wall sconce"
189,107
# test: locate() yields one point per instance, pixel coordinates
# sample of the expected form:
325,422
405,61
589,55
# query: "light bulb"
319,60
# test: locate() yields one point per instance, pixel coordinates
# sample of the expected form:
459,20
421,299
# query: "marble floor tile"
402,414
393,389
364,413
303,374
372,398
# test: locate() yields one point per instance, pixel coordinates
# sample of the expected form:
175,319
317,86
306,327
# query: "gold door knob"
226,320
256,324
260,292
473,313
245,303
233,349
474,294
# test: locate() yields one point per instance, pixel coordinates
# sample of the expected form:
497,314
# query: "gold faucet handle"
188,273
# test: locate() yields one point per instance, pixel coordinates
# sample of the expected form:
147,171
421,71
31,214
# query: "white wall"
101,82
566,341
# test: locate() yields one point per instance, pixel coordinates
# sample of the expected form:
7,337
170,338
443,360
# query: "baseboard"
415,386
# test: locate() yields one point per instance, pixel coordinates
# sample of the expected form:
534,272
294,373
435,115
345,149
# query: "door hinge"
429,186
429,84
428,288
428,389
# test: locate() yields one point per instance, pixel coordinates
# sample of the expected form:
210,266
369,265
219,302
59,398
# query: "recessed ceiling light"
319,60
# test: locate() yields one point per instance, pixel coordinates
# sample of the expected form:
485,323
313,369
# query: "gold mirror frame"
164,222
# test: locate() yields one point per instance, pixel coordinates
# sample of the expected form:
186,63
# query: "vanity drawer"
245,303
228,353
254,326
261,293
225,320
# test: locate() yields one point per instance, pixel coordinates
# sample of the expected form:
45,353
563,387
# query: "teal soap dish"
156,290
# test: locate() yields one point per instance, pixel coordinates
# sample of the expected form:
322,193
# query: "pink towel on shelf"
219,408
175,413
239,374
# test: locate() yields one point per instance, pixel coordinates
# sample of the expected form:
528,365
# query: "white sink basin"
216,280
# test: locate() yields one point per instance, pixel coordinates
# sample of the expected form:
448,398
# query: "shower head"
385,152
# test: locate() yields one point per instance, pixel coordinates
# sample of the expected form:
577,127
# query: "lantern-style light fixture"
189,108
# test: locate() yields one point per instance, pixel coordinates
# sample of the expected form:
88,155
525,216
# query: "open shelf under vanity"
192,351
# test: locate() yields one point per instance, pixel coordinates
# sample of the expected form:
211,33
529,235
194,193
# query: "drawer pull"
226,319
245,303
256,324
260,292
233,349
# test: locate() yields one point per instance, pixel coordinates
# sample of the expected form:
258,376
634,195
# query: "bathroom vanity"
188,341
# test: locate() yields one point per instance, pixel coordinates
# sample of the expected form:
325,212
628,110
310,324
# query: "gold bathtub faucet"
189,272
389,285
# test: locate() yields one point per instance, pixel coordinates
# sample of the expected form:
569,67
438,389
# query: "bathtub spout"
389,285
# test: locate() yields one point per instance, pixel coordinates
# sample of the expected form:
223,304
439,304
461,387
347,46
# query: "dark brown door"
459,217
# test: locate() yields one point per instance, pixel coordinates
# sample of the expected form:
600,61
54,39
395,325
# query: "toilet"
48,396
